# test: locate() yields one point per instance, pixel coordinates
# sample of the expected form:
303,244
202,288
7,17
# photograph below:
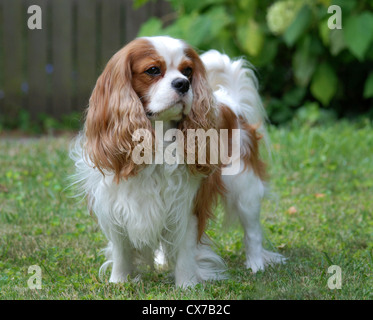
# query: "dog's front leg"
186,265
122,256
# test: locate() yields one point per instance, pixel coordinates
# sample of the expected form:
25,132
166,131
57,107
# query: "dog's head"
155,78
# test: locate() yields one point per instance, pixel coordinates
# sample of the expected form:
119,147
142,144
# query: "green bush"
300,61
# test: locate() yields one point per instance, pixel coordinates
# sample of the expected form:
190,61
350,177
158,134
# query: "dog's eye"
187,71
153,71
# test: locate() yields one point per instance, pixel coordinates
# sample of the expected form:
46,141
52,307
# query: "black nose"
180,85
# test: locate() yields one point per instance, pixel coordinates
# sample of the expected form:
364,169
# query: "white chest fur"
153,206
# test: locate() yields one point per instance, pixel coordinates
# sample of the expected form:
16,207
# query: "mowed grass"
318,214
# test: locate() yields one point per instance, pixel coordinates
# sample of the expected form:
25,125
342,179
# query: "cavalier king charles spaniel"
157,212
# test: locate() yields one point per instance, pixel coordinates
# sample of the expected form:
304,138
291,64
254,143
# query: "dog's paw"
266,258
119,278
255,264
186,283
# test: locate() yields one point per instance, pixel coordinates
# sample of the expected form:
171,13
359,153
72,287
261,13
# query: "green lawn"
320,214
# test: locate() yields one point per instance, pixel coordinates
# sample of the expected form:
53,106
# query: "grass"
320,214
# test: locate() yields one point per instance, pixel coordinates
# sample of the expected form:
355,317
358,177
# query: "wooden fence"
53,70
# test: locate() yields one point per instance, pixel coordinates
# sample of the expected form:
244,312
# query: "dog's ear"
202,114
115,112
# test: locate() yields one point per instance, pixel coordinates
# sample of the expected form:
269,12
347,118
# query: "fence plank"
36,64
160,9
133,19
89,30
12,44
110,35
62,56
86,50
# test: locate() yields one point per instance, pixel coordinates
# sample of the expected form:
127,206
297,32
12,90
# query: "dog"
150,210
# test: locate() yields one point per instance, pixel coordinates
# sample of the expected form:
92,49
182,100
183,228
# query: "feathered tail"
234,84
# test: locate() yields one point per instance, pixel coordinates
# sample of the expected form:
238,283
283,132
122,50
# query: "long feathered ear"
115,112
202,114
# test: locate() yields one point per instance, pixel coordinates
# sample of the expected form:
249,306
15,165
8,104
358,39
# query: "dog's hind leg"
243,201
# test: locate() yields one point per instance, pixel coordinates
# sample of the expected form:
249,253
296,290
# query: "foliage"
298,58
323,180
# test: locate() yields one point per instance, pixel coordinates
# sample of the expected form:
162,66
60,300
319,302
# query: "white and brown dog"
148,209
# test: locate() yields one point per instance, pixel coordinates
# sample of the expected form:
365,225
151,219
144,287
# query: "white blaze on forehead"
164,99
171,50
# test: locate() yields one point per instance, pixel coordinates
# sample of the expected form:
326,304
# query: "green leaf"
294,96
299,26
368,88
248,7
326,3
268,53
304,62
346,5
337,41
152,27
324,83
209,26
358,34
189,6
324,32
251,38
181,27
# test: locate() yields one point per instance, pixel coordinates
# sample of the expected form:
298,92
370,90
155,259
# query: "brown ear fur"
114,114
202,114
